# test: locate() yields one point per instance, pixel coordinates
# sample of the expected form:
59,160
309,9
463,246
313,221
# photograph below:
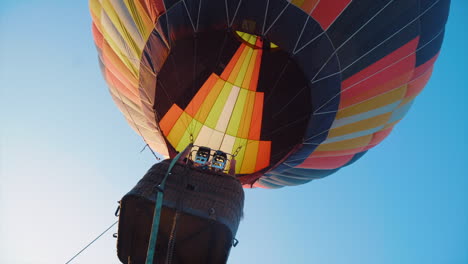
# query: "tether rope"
100,235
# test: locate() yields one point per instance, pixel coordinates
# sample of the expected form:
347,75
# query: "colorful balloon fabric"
294,89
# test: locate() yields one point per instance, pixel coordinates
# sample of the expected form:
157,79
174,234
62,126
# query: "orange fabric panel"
209,101
227,71
325,163
416,86
263,157
170,118
250,70
309,5
155,8
259,43
244,128
238,64
256,71
256,124
201,95
250,156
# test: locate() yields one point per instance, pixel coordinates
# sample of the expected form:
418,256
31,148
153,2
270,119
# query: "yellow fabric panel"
209,101
118,64
371,104
225,116
240,142
237,112
115,41
194,129
141,18
250,69
95,7
218,106
346,144
250,158
124,27
233,76
244,126
366,124
243,70
252,39
179,129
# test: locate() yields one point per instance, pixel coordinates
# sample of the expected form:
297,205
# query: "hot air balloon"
277,92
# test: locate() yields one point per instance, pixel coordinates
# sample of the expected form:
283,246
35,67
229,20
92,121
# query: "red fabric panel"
360,86
122,89
420,77
328,11
98,38
263,157
116,66
424,67
416,86
256,71
378,137
256,122
325,163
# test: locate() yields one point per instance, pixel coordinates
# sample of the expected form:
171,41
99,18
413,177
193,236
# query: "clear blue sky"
67,156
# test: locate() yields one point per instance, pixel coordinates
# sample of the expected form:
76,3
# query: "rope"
79,252
158,208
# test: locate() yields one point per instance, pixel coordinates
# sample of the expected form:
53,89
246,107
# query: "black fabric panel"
312,31
432,27
287,102
250,17
275,7
184,73
378,36
170,3
287,29
212,14
230,8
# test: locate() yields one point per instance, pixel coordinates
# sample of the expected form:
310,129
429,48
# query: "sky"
67,156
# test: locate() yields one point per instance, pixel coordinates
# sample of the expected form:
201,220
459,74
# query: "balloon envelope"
294,89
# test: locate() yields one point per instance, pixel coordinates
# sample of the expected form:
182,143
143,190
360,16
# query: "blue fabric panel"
400,112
